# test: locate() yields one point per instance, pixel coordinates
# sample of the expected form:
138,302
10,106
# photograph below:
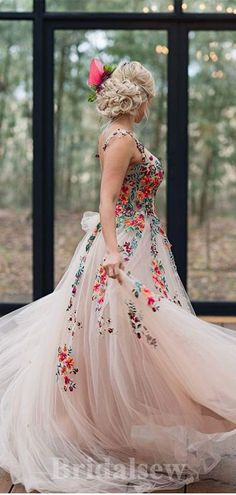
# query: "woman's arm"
116,160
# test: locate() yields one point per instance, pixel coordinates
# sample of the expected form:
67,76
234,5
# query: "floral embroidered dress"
105,386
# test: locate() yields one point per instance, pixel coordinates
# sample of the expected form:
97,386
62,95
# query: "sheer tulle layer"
150,392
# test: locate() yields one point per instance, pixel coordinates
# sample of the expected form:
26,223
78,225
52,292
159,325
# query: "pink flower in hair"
97,74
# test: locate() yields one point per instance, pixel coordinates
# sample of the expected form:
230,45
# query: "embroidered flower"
151,298
66,367
99,286
73,323
137,325
138,222
104,325
158,275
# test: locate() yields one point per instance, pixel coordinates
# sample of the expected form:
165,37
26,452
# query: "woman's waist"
129,209
137,217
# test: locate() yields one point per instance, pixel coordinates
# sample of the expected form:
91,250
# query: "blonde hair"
129,85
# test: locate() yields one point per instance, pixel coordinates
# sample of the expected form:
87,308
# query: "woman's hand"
113,263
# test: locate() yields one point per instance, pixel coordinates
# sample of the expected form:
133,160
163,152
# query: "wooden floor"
222,479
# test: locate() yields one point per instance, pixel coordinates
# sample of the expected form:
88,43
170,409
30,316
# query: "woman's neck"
126,122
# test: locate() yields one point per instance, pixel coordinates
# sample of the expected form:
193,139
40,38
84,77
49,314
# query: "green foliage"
109,68
92,95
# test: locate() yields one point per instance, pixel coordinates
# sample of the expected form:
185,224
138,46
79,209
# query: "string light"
154,8
202,6
162,49
213,56
217,74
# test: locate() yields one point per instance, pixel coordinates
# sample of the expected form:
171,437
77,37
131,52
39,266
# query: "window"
16,5
212,166
204,6
111,6
16,161
77,171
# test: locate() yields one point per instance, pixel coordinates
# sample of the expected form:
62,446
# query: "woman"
112,379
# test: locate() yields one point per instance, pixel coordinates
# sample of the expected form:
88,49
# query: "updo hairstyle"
129,85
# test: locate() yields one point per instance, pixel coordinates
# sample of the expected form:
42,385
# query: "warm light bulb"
229,10
170,8
184,6
213,56
202,6
145,10
162,49
154,8
217,74
219,8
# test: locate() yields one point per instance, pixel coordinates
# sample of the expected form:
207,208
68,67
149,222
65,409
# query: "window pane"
16,5
107,5
212,161
77,124
16,161
217,6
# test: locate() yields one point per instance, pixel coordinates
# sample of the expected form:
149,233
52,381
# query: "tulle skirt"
105,384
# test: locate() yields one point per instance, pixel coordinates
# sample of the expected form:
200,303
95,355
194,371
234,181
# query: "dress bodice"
141,181
140,186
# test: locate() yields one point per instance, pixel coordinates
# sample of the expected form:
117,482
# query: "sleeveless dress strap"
122,132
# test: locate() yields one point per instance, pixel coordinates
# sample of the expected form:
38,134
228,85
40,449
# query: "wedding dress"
105,384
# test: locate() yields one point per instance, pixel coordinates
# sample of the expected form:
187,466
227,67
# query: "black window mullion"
178,7
177,145
42,155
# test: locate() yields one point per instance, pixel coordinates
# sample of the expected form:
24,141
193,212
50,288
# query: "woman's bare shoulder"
107,136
